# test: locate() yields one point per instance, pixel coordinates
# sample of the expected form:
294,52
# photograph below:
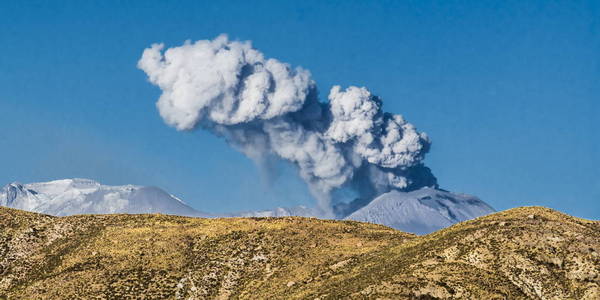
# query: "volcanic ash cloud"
265,109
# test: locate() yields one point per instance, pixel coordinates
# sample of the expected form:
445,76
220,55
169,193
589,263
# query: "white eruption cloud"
265,108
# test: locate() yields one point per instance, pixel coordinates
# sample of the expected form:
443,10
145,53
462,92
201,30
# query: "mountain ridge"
421,211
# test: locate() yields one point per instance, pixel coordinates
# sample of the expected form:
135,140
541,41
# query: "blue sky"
508,91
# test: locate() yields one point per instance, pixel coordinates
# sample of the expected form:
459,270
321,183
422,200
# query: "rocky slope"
516,254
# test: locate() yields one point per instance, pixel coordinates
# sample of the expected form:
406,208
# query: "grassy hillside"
520,253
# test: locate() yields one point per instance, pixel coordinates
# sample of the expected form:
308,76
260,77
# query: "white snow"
83,196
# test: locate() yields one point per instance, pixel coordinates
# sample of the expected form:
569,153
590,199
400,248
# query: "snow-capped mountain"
84,196
421,211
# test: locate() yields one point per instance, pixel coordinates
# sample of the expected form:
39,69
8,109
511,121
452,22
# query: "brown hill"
529,252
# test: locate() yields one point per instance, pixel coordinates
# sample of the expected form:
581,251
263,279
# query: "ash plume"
265,108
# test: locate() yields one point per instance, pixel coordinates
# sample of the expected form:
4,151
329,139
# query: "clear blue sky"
508,91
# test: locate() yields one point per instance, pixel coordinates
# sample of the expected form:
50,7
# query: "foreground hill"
520,253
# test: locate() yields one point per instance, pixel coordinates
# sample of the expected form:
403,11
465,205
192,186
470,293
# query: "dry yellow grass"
527,252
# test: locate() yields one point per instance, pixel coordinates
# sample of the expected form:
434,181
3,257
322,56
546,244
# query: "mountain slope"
84,196
421,211
517,254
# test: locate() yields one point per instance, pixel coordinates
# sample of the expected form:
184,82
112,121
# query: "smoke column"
265,108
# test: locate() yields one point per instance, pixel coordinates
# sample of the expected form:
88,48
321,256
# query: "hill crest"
528,252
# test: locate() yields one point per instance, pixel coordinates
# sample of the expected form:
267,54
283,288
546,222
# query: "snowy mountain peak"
421,211
13,191
57,187
18,196
85,196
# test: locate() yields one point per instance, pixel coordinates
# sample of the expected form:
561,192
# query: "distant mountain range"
83,196
421,211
